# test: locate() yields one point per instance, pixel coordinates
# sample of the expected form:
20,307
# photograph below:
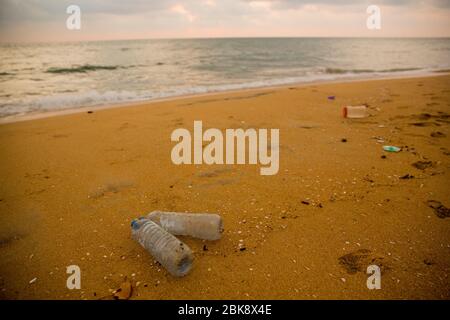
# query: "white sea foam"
93,98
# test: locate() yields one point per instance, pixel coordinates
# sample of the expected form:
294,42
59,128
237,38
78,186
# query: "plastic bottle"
173,254
198,225
354,112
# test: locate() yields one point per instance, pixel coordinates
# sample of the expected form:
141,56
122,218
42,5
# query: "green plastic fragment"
391,149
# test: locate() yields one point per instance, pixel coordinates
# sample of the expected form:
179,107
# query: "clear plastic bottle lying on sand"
198,225
173,254
354,112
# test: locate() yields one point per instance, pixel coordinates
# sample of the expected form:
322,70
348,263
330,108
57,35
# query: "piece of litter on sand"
354,112
379,139
33,280
124,292
391,149
331,97
205,226
168,250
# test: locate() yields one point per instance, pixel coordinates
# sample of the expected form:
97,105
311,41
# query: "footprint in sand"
215,174
439,209
358,261
178,122
218,183
9,239
440,117
445,151
212,173
125,126
422,165
423,124
438,134
110,188
60,136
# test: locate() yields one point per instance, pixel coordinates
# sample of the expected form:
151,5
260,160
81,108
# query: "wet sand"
71,185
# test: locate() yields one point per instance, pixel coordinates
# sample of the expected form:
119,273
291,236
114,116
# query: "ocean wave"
359,71
345,71
88,98
442,71
399,70
93,98
69,100
81,69
128,49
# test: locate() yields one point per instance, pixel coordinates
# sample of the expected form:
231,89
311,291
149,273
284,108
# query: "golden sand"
71,184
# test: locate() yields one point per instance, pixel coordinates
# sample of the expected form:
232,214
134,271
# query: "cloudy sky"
45,20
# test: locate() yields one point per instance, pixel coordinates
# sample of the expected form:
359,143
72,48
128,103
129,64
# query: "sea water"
55,76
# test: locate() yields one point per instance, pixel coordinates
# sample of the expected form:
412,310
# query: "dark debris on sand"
359,260
439,209
438,134
422,165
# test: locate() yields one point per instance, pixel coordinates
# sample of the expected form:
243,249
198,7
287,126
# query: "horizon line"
223,38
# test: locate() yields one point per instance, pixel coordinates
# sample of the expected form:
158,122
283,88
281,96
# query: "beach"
71,185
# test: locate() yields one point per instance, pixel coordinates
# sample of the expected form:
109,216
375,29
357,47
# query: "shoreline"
47,114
